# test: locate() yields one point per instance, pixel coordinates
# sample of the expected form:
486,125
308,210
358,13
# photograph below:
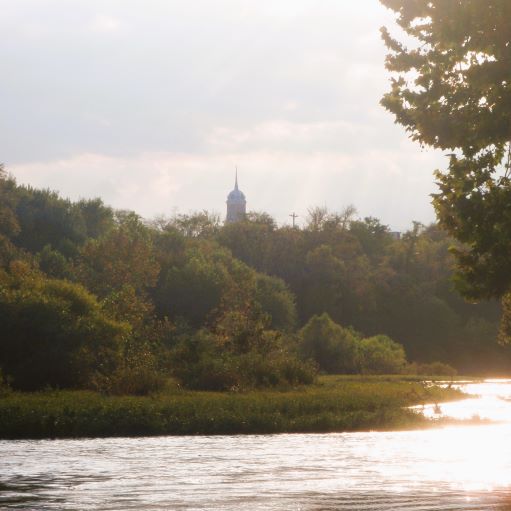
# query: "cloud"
103,23
379,183
149,105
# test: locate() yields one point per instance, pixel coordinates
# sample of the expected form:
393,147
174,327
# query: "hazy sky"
150,104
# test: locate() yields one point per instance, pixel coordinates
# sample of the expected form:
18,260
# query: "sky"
151,104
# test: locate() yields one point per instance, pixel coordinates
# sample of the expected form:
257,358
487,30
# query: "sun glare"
470,457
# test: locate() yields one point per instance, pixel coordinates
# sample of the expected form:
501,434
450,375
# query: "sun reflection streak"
471,457
492,401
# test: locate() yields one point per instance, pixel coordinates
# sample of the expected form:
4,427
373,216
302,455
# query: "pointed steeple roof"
236,194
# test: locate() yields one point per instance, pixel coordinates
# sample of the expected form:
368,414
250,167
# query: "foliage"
53,263
339,350
194,286
333,347
381,355
9,224
452,90
46,219
333,404
100,298
5,388
275,299
123,256
197,225
53,332
241,354
458,95
137,376
249,240
321,219
434,368
372,235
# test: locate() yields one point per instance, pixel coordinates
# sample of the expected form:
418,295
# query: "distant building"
395,235
236,204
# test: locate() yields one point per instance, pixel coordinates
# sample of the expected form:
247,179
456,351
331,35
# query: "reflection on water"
453,468
492,400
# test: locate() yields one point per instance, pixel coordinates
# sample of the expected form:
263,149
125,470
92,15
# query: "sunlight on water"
492,400
451,468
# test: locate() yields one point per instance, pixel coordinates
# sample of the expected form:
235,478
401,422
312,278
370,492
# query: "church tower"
236,204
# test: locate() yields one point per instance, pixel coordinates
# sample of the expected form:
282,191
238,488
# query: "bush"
5,389
339,350
136,376
435,369
136,381
68,338
381,355
274,369
201,362
330,345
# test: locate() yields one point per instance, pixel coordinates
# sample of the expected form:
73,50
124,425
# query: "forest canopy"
96,298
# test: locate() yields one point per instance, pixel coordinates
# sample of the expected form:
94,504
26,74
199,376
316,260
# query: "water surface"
451,468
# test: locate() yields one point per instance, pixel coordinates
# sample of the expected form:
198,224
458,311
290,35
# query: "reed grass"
334,403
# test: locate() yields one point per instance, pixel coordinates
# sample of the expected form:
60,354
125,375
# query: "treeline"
364,278
96,298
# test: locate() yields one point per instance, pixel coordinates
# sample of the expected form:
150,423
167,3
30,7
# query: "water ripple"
455,468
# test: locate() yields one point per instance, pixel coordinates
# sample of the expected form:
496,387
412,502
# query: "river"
449,468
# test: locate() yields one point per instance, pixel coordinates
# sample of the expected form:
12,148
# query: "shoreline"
333,404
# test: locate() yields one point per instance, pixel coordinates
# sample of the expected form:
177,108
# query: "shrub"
328,344
138,375
274,369
137,381
68,338
380,355
435,369
202,362
5,389
198,363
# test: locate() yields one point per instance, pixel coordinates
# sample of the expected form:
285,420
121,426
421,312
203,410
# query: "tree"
258,217
193,287
452,91
373,236
47,219
250,239
98,218
123,256
286,256
277,301
9,225
452,85
200,224
53,263
320,218
324,283
54,332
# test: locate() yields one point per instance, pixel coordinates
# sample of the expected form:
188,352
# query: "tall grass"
333,404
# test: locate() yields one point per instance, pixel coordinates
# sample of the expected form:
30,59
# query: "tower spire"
236,203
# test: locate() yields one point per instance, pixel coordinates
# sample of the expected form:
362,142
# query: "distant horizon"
151,109
222,214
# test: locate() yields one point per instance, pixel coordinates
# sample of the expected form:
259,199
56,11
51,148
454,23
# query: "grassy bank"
332,404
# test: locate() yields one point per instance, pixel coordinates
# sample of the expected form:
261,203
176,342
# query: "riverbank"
334,403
